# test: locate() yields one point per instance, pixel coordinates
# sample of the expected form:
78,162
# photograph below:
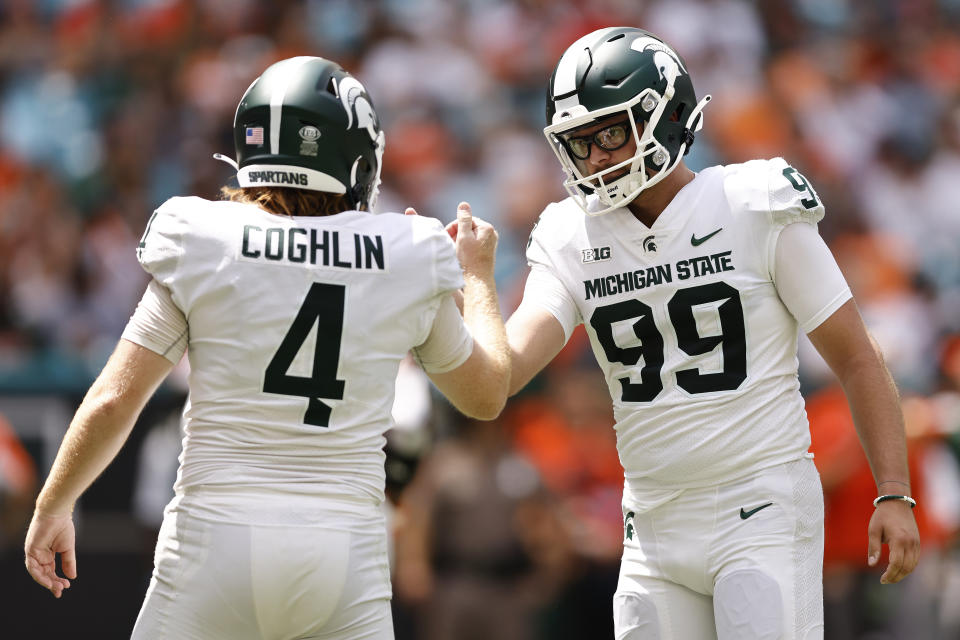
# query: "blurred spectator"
566,431
463,551
880,271
18,487
851,590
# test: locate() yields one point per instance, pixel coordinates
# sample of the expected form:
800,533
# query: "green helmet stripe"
287,72
306,123
565,80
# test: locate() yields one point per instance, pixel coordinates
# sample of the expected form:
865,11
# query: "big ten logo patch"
597,254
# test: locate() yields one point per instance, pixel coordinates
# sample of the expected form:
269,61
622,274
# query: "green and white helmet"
630,71
306,123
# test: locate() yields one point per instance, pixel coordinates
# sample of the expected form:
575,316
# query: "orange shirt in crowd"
848,483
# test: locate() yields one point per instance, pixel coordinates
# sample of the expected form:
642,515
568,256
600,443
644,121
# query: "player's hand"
476,242
47,536
893,524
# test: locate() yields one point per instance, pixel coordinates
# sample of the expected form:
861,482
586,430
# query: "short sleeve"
769,195
449,343
449,274
158,324
430,234
161,246
807,276
537,253
791,197
544,288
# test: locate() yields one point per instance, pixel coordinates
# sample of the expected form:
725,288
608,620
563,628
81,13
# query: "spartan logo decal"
360,112
650,244
628,525
663,56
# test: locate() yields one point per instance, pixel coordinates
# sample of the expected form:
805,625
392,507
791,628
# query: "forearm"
102,424
535,337
481,313
522,370
96,434
874,403
843,341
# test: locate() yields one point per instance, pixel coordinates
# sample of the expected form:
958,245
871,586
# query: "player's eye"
579,147
613,137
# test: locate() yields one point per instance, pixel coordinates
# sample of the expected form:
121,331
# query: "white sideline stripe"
277,93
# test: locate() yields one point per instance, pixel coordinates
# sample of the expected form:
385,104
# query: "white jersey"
297,327
685,319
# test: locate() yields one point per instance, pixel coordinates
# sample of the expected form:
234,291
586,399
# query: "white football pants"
225,580
742,561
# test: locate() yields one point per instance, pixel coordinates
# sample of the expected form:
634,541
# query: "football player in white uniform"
692,288
295,305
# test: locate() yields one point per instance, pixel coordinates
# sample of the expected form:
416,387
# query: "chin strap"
694,123
356,196
229,161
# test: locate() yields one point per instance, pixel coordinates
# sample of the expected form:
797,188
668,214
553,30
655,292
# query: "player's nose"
599,157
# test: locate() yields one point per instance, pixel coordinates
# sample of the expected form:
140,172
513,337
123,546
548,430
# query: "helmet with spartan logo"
308,124
631,73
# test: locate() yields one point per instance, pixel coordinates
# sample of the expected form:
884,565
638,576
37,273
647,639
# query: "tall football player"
296,306
692,288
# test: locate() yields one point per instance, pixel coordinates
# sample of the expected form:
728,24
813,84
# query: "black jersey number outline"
324,305
731,340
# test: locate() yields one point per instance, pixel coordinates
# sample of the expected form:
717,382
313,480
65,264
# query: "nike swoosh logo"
746,514
695,241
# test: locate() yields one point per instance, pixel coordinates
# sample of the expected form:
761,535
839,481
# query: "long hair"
286,201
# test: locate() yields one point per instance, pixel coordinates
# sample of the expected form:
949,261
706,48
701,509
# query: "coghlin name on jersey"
316,246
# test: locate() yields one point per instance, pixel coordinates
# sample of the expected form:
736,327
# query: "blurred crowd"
510,529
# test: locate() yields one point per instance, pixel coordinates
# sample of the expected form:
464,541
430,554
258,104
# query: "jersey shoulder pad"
161,244
557,225
424,228
430,240
772,188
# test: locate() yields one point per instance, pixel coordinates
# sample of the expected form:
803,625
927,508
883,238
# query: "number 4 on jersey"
324,305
